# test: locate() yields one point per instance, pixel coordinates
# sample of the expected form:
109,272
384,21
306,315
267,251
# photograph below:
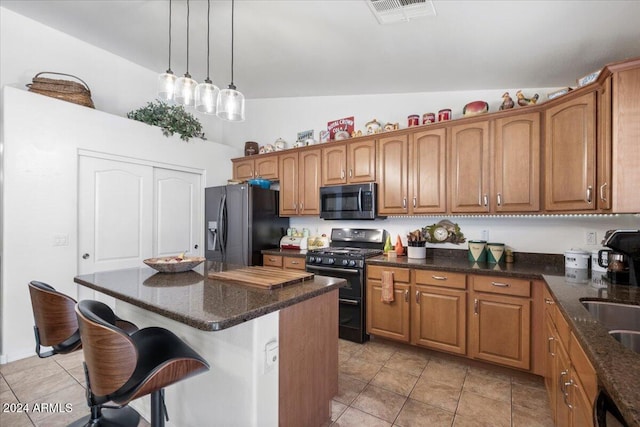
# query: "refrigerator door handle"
222,227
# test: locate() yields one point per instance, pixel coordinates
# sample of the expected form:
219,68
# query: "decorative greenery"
171,118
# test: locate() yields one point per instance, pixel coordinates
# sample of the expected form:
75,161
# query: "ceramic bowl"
173,264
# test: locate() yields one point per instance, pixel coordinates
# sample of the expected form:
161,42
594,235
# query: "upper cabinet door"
570,161
469,168
516,171
334,164
361,161
267,167
288,164
393,174
428,172
310,163
243,169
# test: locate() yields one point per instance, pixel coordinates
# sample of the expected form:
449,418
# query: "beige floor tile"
418,414
355,418
78,374
436,394
3,385
375,353
446,372
379,403
493,372
530,397
59,407
71,360
15,419
337,409
24,364
462,421
494,387
349,346
525,417
528,380
37,371
36,388
411,363
360,369
398,382
348,389
484,409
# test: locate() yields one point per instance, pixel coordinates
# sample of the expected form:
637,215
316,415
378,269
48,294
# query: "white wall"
42,137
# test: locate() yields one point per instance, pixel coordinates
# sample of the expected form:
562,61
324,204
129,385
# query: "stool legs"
158,409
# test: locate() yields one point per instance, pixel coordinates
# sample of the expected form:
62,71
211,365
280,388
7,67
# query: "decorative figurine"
399,248
356,133
373,126
526,101
507,102
391,126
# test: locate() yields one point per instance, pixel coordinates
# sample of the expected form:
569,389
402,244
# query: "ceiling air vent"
390,11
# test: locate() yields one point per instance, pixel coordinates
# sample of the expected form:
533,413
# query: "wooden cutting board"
263,277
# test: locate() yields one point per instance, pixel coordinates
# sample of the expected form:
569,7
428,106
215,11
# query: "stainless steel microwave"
355,201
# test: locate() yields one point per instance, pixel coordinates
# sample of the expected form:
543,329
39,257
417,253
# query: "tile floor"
380,384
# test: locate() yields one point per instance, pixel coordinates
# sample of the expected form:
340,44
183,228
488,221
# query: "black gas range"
350,247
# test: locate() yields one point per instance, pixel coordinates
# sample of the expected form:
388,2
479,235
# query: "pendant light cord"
187,73
169,69
208,37
232,86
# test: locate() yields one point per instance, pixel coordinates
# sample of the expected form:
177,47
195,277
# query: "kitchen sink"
615,316
629,339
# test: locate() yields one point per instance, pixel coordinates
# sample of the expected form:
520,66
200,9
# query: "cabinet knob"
417,297
589,191
499,199
85,256
342,174
602,196
485,200
404,203
350,173
415,200
475,306
406,295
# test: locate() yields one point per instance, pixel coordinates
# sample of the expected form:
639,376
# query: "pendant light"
167,80
185,86
230,104
207,93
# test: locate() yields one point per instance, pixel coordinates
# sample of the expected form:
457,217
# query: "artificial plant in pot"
171,118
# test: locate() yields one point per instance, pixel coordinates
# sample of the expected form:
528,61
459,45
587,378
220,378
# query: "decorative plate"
173,264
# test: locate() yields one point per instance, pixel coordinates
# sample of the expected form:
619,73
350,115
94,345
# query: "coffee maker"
627,243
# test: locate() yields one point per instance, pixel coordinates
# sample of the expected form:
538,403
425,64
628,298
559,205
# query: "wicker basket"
62,89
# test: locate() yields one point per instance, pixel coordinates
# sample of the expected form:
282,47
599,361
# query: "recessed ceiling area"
289,48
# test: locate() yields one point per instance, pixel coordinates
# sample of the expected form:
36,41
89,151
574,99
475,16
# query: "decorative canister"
416,249
495,252
576,258
478,250
594,262
413,120
251,148
428,118
444,115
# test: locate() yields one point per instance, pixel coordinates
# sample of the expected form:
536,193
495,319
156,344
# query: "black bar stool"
125,367
56,326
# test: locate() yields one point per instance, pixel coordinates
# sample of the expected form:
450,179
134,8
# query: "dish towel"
387,287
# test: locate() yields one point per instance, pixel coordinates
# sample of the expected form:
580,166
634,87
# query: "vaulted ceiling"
337,47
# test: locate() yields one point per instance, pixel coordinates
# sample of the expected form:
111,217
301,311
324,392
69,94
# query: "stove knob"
352,263
345,262
318,260
312,259
331,261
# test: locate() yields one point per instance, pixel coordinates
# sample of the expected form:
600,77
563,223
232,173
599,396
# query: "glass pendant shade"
231,105
184,91
206,97
166,84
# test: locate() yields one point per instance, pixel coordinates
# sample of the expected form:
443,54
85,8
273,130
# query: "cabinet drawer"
583,368
272,260
293,263
502,285
399,274
441,278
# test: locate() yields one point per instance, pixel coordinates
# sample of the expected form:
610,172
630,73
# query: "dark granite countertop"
617,368
285,252
193,299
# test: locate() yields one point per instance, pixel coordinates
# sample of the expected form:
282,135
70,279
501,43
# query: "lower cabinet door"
501,329
439,319
388,319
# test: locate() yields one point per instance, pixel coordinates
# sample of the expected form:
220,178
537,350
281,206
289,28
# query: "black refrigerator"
240,221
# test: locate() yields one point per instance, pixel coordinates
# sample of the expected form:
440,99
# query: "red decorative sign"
341,125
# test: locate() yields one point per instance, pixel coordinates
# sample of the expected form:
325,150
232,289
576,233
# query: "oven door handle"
348,301
333,270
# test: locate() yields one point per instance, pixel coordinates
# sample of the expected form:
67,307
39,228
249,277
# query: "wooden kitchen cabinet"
284,262
500,320
412,173
272,260
300,182
495,165
349,163
439,311
263,167
570,154
388,320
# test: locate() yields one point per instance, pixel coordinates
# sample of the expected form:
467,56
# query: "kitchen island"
238,329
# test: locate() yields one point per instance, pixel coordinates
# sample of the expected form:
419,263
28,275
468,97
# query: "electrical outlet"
591,238
484,235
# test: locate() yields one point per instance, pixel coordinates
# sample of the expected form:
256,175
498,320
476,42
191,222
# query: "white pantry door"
178,211
115,216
